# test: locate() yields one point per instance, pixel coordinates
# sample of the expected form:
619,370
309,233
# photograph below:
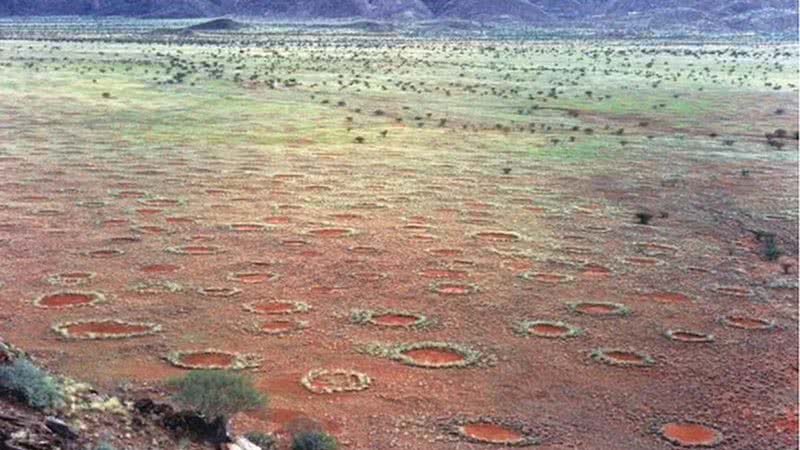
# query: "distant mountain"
720,15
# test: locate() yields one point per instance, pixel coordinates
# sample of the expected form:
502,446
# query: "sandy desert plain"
458,240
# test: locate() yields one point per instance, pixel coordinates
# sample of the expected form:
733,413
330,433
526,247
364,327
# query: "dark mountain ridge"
719,15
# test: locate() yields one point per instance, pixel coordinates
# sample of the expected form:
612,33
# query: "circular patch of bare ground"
325,381
443,273
92,204
212,359
200,238
667,297
369,276
547,277
47,212
427,355
151,229
332,232
622,358
252,277
148,211
546,329
114,222
218,291
196,250
277,307
178,220
364,250
747,323
277,220
105,253
390,318
691,434
69,299
155,287
453,288
158,269
602,309
416,227
733,291
247,227
642,261
104,329
656,249
128,194
595,270
122,240
445,252
496,236
160,202
421,237
294,243
689,337
70,278
491,430
280,327
597,229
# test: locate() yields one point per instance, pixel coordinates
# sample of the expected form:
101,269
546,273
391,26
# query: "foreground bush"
314,440
217,394
30,384
263,440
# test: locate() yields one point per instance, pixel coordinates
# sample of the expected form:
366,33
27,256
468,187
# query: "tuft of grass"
217,393
31,384
263,440
314,440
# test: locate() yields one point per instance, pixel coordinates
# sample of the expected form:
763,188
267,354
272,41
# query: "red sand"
489,432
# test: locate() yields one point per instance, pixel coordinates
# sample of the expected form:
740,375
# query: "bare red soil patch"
160,268
491,433
598,308
547,277
252,277
689,336
443,273
104,329
195,250
689,434
453,288
69,299
105,253
276,307
748,323
332,232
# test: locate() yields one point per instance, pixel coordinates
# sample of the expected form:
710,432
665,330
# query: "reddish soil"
489,432
393,320
434,356
207,359
274,307
599,309
690,434
65,299
160,268
548,329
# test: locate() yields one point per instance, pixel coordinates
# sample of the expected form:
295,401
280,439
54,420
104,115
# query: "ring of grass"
232,276
62,329
729,322
299,307
61,279
261,227
562,278
523,328
396,352
701,337
456,427
601,355
366,316
618,309
212,250
155,287
437,287
362,381
348,232
97,298
218,291
293,326
240,361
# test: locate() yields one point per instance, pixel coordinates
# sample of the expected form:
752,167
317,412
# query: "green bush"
30,384
263,440
217,393
314,440
104,446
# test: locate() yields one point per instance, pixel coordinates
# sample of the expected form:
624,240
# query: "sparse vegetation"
30,384
263,440
217,393
314,440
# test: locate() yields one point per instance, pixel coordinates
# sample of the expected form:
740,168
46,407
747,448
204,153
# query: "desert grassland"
524,160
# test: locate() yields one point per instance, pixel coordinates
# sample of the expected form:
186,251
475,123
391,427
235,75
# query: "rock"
242,444
61,428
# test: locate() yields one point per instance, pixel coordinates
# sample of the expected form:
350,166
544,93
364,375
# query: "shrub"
104,446
644,217
30,384
217,393
314,440
263,440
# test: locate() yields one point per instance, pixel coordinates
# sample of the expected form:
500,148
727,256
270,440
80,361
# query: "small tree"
217,394
314,440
